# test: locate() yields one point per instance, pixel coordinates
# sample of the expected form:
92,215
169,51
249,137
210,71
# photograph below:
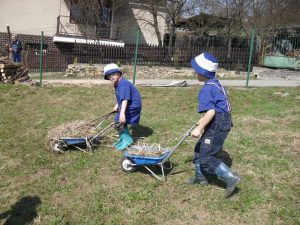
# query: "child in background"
15,48
213,127
128,106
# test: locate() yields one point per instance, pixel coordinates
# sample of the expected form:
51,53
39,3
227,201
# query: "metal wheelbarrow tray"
130,162
62,144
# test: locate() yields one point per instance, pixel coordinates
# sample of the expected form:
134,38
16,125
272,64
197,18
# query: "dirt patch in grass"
254,120
288,142
8,162
16,183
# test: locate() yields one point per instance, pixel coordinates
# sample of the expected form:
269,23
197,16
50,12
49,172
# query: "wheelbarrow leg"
162,177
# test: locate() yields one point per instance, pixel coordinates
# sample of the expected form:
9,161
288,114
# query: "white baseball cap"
110,69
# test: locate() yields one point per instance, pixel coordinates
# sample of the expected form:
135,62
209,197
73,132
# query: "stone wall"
142,72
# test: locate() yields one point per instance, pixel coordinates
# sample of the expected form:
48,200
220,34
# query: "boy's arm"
198,131
122,113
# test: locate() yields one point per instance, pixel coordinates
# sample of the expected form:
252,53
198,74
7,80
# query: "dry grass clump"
77,128
151,151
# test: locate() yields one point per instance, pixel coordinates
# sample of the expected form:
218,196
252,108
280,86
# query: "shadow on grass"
211,178
139,131
22,212
156,169
214,180
225,157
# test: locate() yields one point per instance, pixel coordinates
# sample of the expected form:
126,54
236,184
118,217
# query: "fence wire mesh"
271,49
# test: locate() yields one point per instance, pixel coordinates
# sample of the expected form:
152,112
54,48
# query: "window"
74,12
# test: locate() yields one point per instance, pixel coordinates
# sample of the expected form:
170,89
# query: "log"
3,58
12,72
20,74
21,68
13,65
22,79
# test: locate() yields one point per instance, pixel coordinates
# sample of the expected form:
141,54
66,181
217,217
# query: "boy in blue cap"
214,126
16,48
128,106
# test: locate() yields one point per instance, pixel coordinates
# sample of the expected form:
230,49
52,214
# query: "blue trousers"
17,57
212,142
132,116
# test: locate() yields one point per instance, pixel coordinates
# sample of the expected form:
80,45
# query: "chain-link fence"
280,49
147,55
271,49
179,55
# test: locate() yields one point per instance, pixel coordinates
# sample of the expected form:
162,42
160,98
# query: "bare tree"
92,17
228,17
156,9
172,11
272,14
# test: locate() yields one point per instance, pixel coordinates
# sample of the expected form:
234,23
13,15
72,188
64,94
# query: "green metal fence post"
250,56
136,54
41,59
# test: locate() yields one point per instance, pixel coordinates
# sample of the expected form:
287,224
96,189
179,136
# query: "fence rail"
271,49
58,60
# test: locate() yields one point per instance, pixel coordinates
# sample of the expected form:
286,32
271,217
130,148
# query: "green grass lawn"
38,186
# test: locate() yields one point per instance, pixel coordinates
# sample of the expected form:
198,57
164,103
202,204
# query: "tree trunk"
159,39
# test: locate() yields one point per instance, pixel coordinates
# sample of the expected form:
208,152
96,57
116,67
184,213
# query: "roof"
81,40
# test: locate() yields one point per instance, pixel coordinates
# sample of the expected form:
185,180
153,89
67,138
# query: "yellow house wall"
31,16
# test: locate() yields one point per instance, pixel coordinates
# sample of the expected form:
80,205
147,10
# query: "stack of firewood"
294,54
11,72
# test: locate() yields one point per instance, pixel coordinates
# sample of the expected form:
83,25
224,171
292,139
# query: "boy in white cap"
213,127
128,106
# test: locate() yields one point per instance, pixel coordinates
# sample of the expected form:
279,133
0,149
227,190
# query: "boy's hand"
197,132
115,109
122,118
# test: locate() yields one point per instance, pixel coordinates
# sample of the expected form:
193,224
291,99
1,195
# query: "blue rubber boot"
118,142
231,179
119,128
126,140
199,177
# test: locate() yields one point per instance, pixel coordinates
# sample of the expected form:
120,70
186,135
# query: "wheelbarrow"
131,161
83,143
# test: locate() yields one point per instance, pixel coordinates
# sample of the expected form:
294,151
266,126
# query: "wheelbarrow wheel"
168,164
127,165
58,146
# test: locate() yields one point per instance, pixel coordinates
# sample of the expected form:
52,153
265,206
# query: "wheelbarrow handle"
188,133
104,116
102,131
